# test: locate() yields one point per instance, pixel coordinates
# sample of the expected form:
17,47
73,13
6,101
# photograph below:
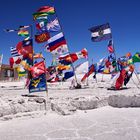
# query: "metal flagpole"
68,50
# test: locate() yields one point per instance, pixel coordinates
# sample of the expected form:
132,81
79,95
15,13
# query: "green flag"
136,57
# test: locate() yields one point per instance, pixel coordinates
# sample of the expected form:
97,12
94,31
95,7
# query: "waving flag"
40,15
14,52
38,84
110,47
55,42
46,9
25,48
38,69
136,57
43,37
91,69
15,61
53,26
11,30
100,32
71,58
23,33
41,26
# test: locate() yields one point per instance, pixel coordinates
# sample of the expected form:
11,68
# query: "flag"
38,84
40,16
1,59
91,69
68,75
43,37
120,79
53,26
23,33
25,48
15,30
38,69
136,57
14,52
82,68
41,26
63,67
25,65
21,71
47,9
38,55
15,61
100,32
23,26
74,56
60,50
55,42
110,47
11,30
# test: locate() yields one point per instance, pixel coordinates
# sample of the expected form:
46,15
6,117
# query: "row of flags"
49,32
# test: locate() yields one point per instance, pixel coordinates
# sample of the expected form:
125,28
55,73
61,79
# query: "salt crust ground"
86,118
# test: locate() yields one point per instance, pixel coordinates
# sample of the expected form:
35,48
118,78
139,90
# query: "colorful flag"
53,26
38,55
74,56
38,69
25,65
43,37
68,75
41,26
60,50
136,57
14,52
100,32
55,42
91,69
47,9
15,61
21,71
110,47
40,16
25,48
38,84
23,33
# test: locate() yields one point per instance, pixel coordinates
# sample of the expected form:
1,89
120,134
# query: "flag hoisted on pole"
100,32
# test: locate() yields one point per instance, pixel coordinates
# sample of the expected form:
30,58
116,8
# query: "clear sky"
76,17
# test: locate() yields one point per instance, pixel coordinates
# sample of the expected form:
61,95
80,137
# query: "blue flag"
100,32
38,84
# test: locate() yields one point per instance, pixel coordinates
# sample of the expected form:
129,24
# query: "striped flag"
56,42
14,52
110,47
100,32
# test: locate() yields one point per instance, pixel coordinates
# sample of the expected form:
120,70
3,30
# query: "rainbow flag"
40,15
23,33
47,9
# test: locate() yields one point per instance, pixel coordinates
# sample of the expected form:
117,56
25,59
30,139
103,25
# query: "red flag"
38,69
110,47
90,71
42,37
120,80
74,56
25,48
14,61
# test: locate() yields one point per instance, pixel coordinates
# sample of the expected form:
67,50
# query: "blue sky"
76,17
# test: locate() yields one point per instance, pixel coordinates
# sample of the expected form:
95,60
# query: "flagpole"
31,29
68,50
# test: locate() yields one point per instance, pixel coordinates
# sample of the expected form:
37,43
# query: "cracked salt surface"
28,119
